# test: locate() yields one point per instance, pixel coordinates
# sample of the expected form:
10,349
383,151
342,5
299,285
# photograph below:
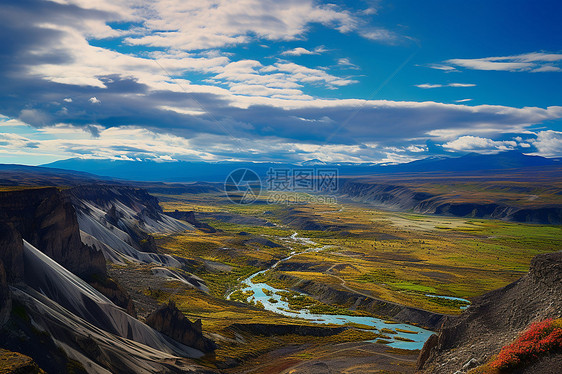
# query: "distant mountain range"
187,171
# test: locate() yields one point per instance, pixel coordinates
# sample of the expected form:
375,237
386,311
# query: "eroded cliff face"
11,252
390,196
11,266
496,318
119,221
403,198
51,314
47,220
170,321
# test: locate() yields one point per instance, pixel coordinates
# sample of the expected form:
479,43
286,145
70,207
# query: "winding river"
271,300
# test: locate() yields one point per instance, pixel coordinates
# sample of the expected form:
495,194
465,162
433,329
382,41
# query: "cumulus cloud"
123,142
205,24
548,143
234,107
303,51
475,143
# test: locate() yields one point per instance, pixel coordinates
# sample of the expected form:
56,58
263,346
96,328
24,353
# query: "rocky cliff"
11,266
495,319
119,221
47,220
11,252
170,321
406,198
52,315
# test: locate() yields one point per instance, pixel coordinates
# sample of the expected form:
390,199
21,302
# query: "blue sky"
263,80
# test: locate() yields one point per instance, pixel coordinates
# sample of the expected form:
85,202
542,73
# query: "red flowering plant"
539,340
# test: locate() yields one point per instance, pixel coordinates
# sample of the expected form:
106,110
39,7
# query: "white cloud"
428,85
532,62
462,100
125,142
546,68
370,11
346,63
548,143
250,99
446,68
204,24
297,52
88,65
416,149
483,145
303,51
11,122
380,35
94,100
67,100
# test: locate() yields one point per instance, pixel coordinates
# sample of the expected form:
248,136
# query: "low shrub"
539,340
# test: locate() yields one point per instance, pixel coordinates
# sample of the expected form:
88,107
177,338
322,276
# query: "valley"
368,264
176,277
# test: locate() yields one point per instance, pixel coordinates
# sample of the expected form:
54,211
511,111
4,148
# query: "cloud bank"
122,79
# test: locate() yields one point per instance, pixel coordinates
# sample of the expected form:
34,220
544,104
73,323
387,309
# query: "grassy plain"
398,257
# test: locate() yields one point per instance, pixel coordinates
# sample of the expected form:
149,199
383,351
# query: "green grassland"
398,257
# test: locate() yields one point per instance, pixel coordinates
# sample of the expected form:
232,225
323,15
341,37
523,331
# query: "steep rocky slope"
403,195
170,321
46,219
495,319
52,315
119,222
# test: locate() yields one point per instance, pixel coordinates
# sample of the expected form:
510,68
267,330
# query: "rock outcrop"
404,198
170,321
11,252
5,299
114,292
391,196
47,220
51,314
119,221
496,318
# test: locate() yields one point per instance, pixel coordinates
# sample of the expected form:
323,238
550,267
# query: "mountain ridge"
190,171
